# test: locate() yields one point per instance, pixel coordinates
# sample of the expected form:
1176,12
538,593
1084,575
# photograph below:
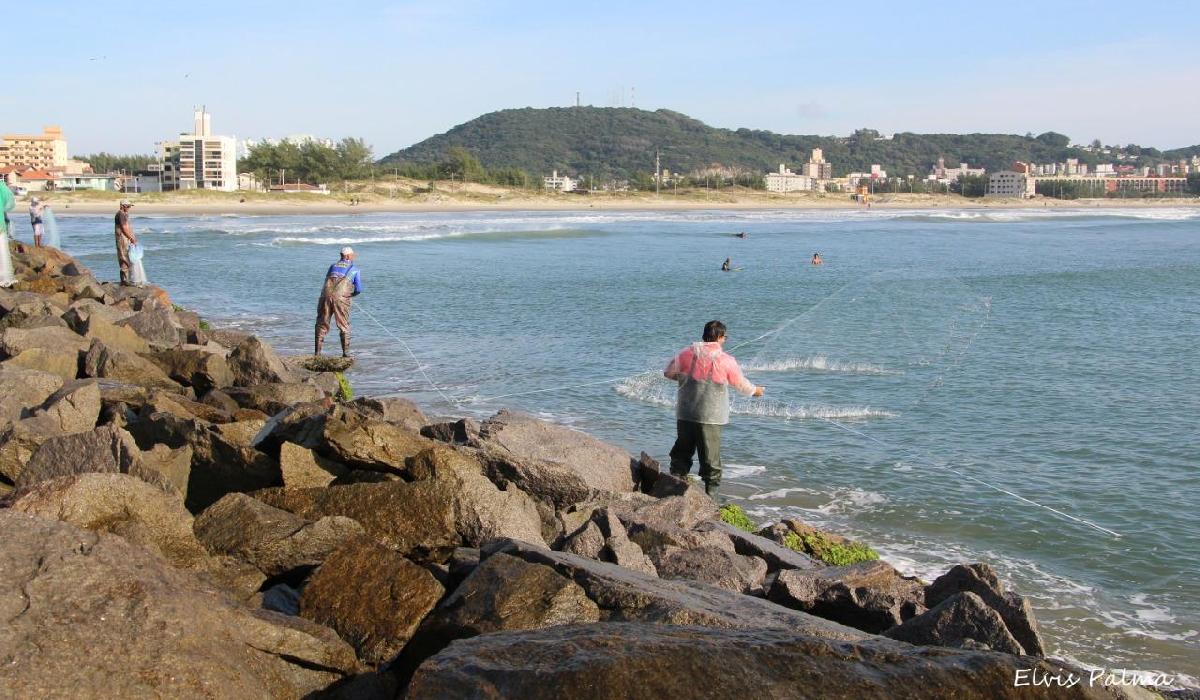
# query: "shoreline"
73,205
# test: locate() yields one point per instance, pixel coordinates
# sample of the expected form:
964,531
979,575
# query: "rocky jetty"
187,514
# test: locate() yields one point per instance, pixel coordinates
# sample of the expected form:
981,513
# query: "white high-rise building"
201,160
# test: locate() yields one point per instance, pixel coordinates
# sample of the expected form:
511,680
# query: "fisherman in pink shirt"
704,372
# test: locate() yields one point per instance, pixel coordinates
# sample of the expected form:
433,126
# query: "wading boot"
345,346
317,343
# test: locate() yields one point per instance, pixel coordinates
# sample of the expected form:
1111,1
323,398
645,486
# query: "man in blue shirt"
342,282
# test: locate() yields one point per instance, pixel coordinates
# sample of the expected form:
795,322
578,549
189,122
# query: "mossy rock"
318,363
735,516
836,553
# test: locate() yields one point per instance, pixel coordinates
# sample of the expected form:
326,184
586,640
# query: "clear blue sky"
121,76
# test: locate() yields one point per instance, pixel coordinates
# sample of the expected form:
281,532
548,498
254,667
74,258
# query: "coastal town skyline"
395,74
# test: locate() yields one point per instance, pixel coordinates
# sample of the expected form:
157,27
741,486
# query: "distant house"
36,180
295,187
560,183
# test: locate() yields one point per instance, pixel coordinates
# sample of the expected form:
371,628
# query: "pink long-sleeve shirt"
705,372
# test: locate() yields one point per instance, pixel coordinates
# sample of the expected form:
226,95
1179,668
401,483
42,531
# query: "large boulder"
100,327
398,411
254,362
273,398
962,620
452,505
604,538
161,401
63,362
106,449
18,441
712,565
346,435
156,325
871,596
194,366
75,408
272,540
104,362
14,341
981,580
22,390
78,314
623,594
373,597
628,660
120,504
551,462
502,594
219,465
303,468
89,613
777,556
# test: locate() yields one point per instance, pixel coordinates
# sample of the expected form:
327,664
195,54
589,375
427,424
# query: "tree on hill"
103,162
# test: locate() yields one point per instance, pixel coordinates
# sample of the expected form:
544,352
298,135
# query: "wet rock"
871,596
623,594
254,362
199,368
22,390
550,462
401,412
627,660
504,593
156,325
981,580
272,540
103,362
88,610
373,597
957,620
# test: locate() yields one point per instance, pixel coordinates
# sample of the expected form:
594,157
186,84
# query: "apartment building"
44,151
1009,183
201,160
787,181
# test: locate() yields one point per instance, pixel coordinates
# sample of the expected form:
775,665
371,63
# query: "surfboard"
50,228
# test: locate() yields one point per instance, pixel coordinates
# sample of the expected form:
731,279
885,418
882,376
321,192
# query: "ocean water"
1015,387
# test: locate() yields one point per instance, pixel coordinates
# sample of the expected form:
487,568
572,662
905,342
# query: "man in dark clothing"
125,238
342,282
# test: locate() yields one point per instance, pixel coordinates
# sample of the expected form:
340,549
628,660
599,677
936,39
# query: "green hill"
620,142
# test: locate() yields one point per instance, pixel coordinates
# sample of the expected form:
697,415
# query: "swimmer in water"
816,260
727,265
741,234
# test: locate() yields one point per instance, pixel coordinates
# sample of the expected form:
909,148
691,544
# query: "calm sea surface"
1014,387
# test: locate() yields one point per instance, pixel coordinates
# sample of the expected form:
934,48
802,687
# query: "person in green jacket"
7,203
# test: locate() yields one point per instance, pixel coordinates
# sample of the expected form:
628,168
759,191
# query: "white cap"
347,251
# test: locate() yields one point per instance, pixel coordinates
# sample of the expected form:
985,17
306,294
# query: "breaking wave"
648,388
817,363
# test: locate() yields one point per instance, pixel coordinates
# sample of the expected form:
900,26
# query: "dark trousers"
702,438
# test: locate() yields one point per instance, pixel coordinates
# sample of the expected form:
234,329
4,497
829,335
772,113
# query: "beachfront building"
560,183
1009,183
200,159
817,168
787,181
941,174
45,151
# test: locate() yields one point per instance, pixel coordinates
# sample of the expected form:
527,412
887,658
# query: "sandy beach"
408,196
